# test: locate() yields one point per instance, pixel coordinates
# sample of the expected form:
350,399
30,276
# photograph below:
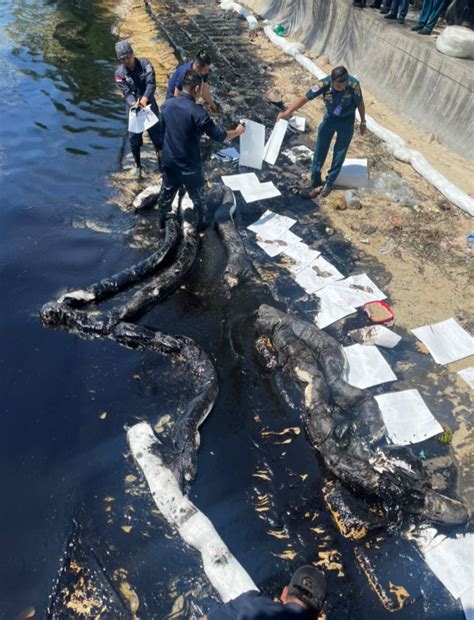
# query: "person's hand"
240,129
143,102
363,129
212,107
285,115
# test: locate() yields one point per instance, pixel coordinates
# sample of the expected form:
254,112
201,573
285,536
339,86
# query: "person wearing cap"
301,599
201,64
136,79
342,95
183,122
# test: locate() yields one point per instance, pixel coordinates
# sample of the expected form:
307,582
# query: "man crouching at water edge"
342,95
136,79
302,599
183,122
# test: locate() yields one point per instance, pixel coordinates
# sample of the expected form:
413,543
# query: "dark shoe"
138,172
310,192
390,16
401,20
374,5
384,11
424,32
416,28
327,189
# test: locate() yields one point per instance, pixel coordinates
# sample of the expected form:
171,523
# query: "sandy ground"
423,248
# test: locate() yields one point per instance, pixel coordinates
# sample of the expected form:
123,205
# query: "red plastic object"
379,312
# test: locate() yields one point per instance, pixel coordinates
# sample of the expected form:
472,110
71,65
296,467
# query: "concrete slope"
402,70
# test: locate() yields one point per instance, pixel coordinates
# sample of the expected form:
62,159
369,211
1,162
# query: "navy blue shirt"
137,82
176,80
338,103
254,606
183,121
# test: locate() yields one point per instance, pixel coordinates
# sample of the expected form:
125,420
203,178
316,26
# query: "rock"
273,95
339,204
147,198
368,229
323,59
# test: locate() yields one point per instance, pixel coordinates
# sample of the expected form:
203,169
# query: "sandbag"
456,41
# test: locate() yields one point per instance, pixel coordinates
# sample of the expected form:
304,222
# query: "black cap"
309,585
123,48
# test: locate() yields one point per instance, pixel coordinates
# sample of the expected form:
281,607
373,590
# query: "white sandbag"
456,41
354,174
225,573
234,6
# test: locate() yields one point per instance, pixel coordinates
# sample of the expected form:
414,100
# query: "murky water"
69,489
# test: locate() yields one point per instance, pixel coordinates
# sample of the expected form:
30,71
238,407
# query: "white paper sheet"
354,291
271,225
252,145
274,247
263,191
273,146
366,366
354,174
451,561
467,602
330,312
407,418
298,153
446,341
301,256
140,121
467,374
239,182
376,334
298,122
317,274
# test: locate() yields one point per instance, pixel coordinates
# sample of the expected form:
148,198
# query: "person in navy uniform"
302,599
342,95
182,124
398,10
136,79
201,64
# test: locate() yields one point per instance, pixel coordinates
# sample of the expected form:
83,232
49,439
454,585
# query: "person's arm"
233,133
363,124
215,132
125,89
206,95
359,101
312,93
150,84
296,105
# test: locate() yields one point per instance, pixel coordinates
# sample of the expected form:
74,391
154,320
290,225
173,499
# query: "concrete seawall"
402,70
